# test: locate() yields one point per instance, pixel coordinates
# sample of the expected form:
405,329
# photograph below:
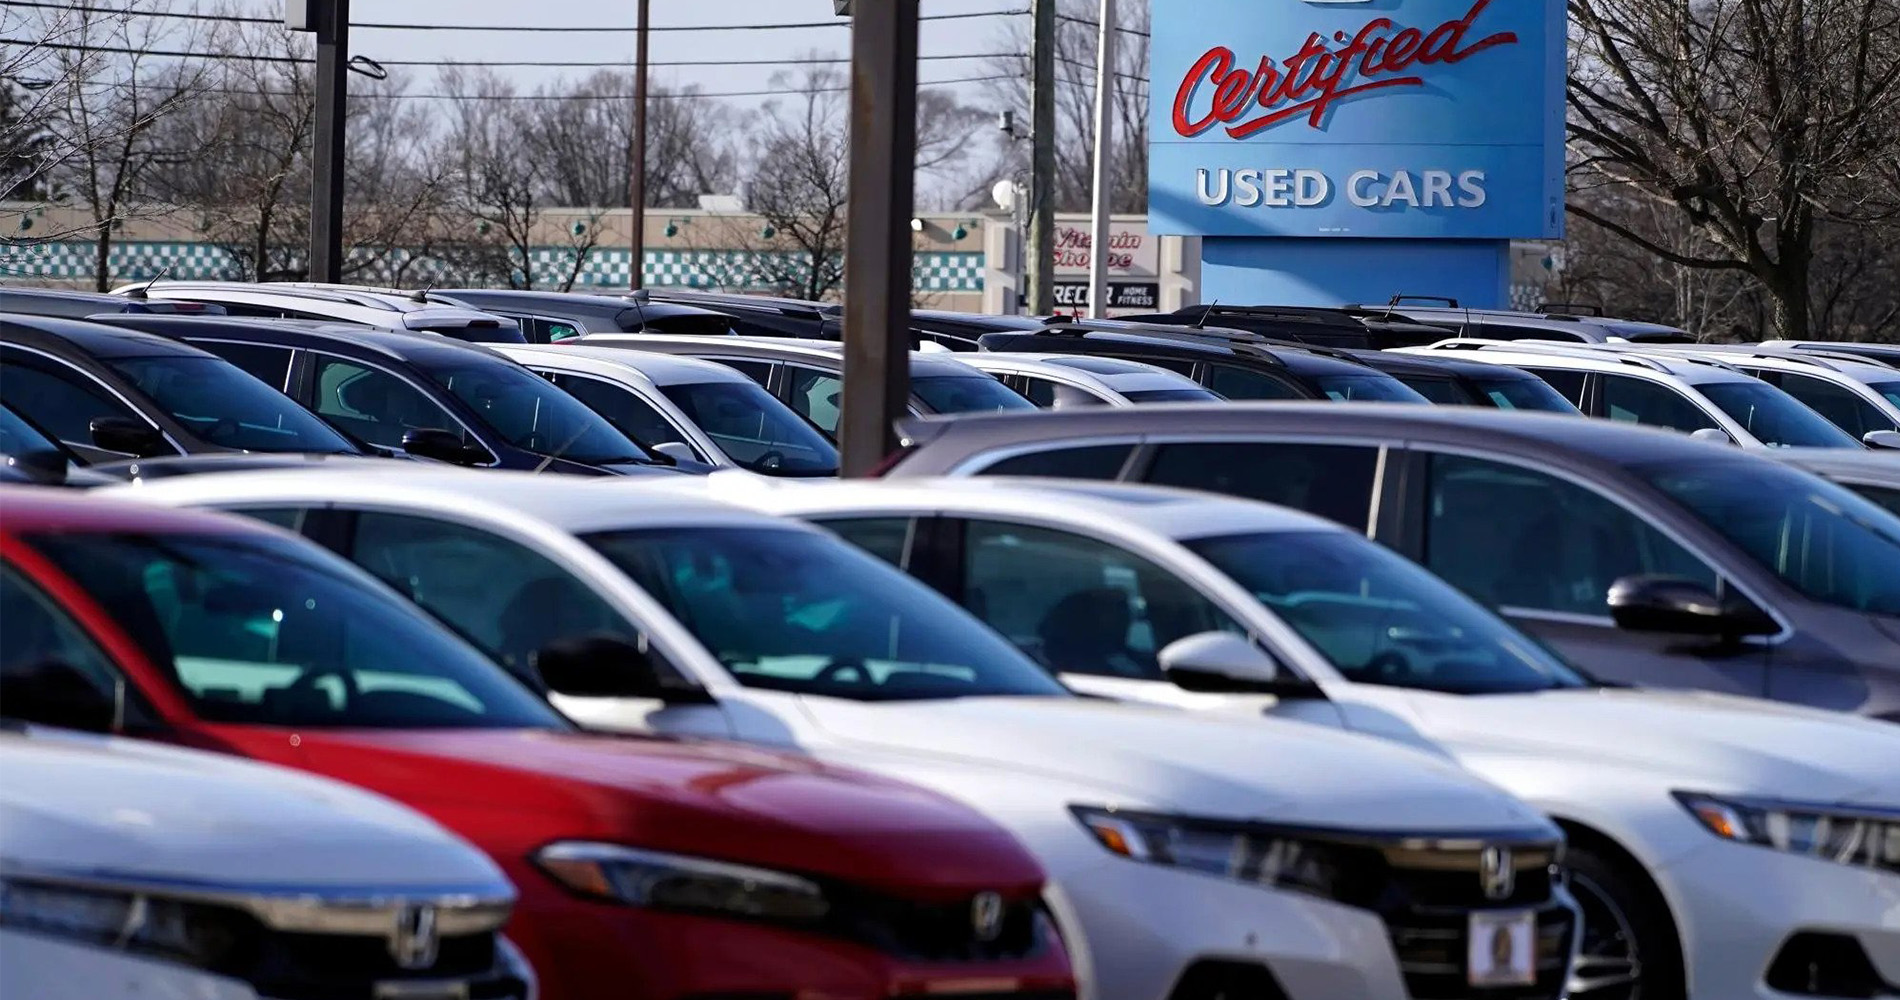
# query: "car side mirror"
128,437
55,693
1225,663
1713,434
604,665
1882,440
678,451
48,468
443,446
1681,607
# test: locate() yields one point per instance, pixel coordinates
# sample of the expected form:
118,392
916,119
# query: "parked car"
31,456
1563,323
1861,397
552,317
79,305
1693,394
428,396
961,331
1231,364
1885,354
1170,840
1334,328
1112,587
1650,558
1058,381
334,304
703,415
108,394
762,315
1871,474
131,871
647,869
808,375
1452,381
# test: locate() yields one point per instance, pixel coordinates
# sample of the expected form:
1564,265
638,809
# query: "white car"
1859,395
387,310
1187,856
1732,846
1060,381
701,414
1695,395
133,871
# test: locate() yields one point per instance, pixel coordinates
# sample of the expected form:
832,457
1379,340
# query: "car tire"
1630,950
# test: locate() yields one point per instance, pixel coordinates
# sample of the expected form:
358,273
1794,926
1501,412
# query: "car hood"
1704,741
1195,764
92,805
716,800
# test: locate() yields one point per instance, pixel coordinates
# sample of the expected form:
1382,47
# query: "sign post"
1348,151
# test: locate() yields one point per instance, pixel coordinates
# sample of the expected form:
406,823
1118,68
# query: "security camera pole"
330,20
877,256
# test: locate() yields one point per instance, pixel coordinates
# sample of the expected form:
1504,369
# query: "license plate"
1502,948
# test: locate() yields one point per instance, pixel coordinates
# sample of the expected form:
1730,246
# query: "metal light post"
330,20
637,161
1104,153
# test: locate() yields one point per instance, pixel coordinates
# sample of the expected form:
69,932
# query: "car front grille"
1430,893
939,931
1432,956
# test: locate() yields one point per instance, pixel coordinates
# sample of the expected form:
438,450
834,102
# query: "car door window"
375,405
814,394
1077,604
1239,383
1570,383
58,398
508,600
757,371
1332,481
1516,538
888,538
1101,461
1840,405
1888,498
1442,391
623,408
42,648
269,365
1039,391
1652,404
288,518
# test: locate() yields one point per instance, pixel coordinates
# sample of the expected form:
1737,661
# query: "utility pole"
878,255
331,19
637,183
1104,156
1041,245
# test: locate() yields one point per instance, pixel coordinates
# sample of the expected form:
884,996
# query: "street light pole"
637,182
332,22
878,256
1041,247
1104,155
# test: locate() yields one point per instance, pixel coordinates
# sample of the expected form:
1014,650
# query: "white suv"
1694,395
1062,381
1187,856
1858,395
387,310
133,871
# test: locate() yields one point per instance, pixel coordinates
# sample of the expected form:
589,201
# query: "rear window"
967,394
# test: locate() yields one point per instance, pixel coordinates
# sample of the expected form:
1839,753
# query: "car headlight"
1847,835
653,879
1243,853
190,933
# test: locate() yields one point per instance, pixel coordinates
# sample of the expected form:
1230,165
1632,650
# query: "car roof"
829,352
1171,513
661,369
30,509
500,496
1194,344
1628,359
94,339
737,300
1609,441
1786,359
1419,364
1882,467
1112,374
404,345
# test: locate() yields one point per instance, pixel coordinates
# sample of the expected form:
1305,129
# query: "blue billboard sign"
1439,119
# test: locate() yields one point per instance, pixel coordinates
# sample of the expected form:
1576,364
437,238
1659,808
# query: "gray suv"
1647,557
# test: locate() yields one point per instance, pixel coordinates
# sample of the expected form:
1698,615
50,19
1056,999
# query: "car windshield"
795,610
1773,417
1890,391
1525,394
1823,540
221,404
530,413
258,630
1367,389
754,429
1380,619
1173,396
966,394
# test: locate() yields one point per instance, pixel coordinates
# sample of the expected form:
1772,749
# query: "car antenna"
142,291
422,295
1201,324
640,297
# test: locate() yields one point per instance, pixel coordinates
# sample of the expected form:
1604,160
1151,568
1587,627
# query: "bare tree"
586,132
1759,122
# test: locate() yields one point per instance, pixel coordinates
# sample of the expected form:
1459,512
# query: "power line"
1091,22
511,28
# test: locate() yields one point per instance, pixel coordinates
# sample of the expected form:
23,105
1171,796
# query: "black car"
1302,325
1232,363
962,331
32,457
762,315
109,393
79,305
1648,557
1456,382
429,395
551,317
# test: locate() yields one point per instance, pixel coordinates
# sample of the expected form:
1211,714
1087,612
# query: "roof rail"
1571,308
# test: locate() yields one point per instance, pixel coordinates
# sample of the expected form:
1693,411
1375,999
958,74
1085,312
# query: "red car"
647,868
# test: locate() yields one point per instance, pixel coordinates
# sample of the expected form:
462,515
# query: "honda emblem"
1497,873
414,941
986,916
